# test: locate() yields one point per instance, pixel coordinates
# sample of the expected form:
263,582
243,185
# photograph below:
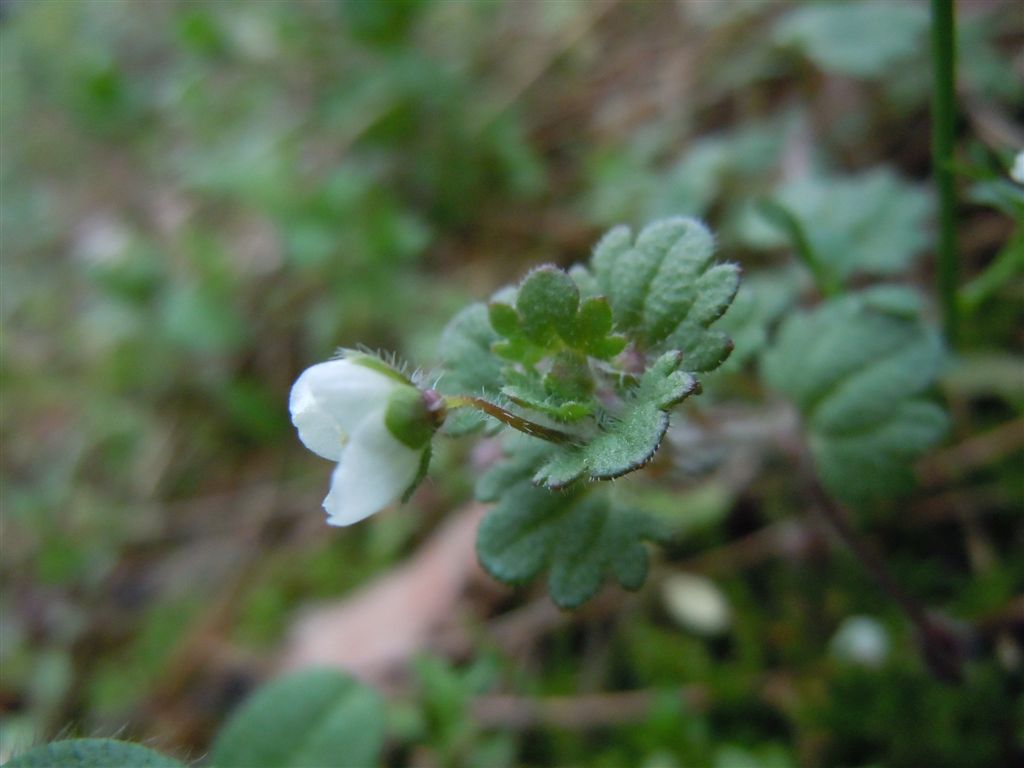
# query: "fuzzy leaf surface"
858,369
548,316
664,290
630,440
579,538
91,753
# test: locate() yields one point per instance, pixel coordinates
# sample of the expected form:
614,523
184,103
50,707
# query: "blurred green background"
200,199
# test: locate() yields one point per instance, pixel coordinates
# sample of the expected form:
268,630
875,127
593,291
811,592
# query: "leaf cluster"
602,353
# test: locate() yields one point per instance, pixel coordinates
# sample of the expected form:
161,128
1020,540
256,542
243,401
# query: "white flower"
1017,171
369,419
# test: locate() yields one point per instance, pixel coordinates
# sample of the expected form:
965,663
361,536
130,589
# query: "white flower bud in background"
861,640
371,420
696,603
1017,171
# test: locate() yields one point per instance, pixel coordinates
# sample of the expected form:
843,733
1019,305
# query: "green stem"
509,418
784,219
1007,264
943,116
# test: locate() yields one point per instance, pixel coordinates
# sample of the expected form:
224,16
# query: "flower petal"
375,469
329,400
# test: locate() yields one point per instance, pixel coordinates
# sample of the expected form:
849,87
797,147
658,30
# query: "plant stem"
509,418
942,644
943,116
784,219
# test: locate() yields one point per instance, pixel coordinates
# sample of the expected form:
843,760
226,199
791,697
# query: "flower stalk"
507,417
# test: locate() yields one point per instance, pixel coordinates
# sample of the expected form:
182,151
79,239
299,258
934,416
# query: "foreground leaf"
630,440
317,717
580,538
548,316
858,368
665,292
92,753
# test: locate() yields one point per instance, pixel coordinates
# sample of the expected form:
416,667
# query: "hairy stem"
943,115
509,418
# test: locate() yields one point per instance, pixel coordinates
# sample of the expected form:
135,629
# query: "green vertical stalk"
943,115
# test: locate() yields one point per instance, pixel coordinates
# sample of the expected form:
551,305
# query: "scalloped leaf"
664,291
630,440
531,392
314,717
548,316
832,35
759,304
580,539
858,369
91,753
873,223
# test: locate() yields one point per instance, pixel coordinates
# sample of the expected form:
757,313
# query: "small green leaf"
833,34
92,753
629,441
664,291
549,317
674,254
585,281
522,457
547,302
874,223
316,717
593,330
504,319
530,393
581,539
858,369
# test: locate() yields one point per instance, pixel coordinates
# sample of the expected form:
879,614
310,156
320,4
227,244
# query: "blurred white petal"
374,470
695,603
861,640
329,400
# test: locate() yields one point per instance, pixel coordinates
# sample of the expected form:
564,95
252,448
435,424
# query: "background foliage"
200,199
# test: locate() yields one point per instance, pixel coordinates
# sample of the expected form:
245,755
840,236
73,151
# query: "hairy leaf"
531,392
858,369
522,457
580,538
315,717
91,753
629,441
665,292
549,316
